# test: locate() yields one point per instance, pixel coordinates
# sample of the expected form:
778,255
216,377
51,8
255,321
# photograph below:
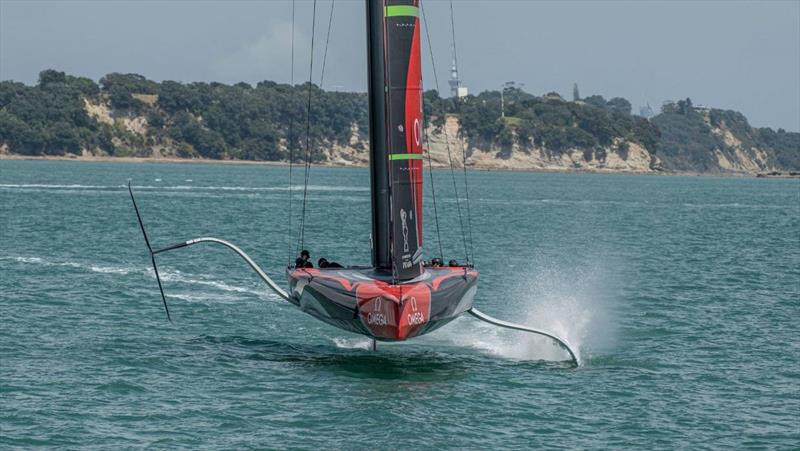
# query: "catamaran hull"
365,301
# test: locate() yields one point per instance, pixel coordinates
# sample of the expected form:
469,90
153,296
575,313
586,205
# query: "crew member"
324,263
304,260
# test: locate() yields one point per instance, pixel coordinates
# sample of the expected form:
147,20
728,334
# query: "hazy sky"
727,54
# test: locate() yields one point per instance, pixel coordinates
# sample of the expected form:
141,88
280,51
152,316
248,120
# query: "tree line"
268,121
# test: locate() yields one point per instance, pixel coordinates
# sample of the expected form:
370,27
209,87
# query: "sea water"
682,294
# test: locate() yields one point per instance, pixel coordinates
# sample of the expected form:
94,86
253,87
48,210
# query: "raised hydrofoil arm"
271,283
153,252
496,322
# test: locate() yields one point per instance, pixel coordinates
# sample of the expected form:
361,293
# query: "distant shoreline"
138,160
150,160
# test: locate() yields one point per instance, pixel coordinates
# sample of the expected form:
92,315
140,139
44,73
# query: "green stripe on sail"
405,156
402,10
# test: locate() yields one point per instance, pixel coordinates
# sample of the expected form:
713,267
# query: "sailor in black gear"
324,263
303,261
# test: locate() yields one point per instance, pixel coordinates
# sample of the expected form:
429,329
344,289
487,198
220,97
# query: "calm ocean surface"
683,294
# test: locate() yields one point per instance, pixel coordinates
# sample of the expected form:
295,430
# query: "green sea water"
682,293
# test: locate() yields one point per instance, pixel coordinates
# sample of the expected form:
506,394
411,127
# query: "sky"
736,55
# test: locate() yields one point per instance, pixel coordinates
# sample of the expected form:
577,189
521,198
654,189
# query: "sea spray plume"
572,303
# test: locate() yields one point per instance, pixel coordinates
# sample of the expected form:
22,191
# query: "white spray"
572,304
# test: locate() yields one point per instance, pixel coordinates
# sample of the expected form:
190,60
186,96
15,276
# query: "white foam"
571,304
177,276
55,186
85,267
353,343
109,269
35,260
202,298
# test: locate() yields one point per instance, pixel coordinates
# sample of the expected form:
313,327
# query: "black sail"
395,87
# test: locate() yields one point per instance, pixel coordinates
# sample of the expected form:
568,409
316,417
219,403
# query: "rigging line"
308,129
289,138
446,137
433,195
453,32
327,40
433,189
464,147
466,196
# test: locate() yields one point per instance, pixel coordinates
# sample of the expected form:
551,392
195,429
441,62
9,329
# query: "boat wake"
86,267
173,276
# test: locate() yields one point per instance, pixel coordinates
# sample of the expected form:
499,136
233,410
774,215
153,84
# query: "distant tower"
454,81
576,95
456,90
646,111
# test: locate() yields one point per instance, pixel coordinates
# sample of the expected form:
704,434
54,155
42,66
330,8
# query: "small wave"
188,297
121,387
109,270
25,259
738,205
202,298
179,277
181,187
56,186
298,188
166,276
87,267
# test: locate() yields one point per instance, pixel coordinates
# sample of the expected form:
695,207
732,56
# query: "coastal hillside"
127,115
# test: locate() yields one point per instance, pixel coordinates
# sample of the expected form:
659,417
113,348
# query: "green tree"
619,105
51,76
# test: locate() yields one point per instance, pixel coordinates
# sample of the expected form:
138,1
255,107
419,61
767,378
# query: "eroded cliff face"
448,144
735,156
518,157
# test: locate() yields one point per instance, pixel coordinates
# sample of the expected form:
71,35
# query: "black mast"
378,160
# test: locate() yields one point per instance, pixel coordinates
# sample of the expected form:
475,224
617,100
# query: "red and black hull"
364,301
